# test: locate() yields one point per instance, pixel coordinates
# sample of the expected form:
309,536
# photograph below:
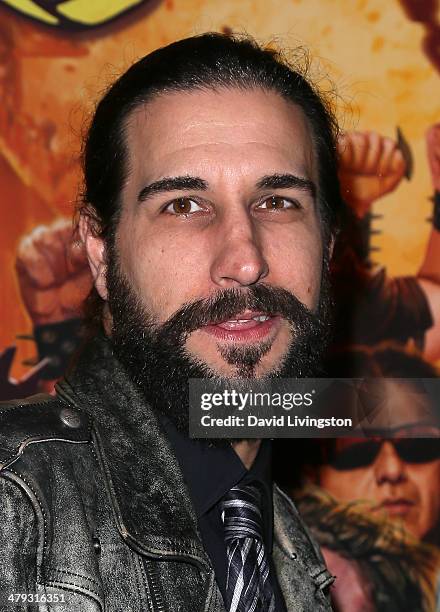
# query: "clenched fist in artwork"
53,274
370,166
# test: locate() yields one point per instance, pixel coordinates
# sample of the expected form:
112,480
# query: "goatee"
155,357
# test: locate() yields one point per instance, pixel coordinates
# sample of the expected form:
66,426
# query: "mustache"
228,303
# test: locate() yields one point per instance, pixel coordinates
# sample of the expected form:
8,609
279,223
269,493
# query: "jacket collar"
150,500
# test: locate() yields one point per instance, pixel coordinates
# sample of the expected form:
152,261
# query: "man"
210,201
373,503
397,472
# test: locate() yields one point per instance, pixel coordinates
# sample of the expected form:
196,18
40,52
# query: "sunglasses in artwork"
352,453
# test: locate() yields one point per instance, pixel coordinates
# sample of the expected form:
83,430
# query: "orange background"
51,78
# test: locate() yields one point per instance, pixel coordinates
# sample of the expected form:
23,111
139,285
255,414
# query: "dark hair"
385,360
207,61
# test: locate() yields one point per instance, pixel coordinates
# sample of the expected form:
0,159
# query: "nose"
238,259
389,467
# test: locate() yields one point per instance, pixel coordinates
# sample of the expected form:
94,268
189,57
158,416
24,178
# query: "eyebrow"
173,183
287,181
195,183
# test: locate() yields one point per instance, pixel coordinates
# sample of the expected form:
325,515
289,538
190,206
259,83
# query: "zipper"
156,600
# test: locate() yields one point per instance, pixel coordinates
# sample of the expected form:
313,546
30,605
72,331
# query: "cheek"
427,480
165,269
295,262
345,485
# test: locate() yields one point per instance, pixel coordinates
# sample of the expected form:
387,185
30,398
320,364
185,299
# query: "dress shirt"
210,472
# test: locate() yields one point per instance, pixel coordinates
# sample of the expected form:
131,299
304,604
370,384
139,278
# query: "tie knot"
241,513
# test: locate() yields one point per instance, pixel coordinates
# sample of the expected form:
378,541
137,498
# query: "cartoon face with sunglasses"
395,471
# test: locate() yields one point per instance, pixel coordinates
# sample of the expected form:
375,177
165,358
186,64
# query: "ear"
331,245
95,249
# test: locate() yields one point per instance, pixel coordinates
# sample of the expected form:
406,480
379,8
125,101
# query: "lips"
396,507
246,320
247,326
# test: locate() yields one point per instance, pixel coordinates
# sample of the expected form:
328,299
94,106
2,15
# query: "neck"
247,451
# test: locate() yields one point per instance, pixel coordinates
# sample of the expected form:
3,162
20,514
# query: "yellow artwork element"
98,11
82,13
31,9
56,60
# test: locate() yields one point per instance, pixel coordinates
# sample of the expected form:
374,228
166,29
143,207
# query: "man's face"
220,195
399,476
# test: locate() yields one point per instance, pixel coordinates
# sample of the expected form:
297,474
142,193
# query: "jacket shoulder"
40,418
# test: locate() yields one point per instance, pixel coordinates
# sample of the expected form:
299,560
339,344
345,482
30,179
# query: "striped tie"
248,587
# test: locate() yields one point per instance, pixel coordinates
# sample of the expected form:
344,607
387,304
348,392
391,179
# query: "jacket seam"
10,407
55,571
43,513
175,546
30,438
93,451
64,585
212,593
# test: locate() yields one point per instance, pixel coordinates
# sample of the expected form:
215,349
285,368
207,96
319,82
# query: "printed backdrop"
51,76
56,58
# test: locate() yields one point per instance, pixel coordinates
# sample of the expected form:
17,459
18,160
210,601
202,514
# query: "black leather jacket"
94,509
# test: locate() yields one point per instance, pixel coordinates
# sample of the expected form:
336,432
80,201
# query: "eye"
278,203
183,206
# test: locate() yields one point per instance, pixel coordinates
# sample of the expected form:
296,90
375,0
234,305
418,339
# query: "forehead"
398,404
406,403
231,131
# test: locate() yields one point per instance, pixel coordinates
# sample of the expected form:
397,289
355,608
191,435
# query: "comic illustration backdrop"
383,59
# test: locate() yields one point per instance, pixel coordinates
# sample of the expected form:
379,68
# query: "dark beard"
155,357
